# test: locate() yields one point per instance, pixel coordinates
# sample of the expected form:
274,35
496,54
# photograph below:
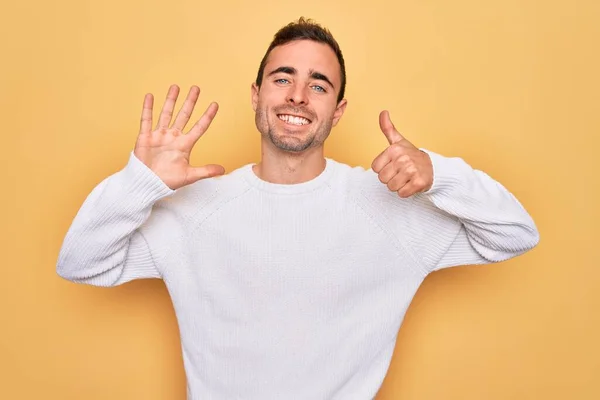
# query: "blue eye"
280,80
319,88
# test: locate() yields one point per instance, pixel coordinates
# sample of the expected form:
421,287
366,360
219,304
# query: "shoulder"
362,183
362,186
348,176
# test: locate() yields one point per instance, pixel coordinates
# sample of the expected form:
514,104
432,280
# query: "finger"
207,171
388,173
146,120
203,123
167,111
381,160
385,157
398,182
188,107
408,189
388,129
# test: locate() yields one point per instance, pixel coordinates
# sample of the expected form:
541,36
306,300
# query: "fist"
402,166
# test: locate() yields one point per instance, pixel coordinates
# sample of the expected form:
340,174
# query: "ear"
339,111
254,94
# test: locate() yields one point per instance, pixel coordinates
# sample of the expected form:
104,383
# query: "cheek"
262,112
272,95
326,111
262,106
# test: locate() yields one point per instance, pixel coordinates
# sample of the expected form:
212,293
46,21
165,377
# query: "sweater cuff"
446,172
142,183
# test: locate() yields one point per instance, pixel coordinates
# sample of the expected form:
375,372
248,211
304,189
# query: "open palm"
166,149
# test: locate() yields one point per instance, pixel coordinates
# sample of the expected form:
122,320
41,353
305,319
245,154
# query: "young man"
290,277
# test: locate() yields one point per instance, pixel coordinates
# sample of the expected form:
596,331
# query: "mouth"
296,120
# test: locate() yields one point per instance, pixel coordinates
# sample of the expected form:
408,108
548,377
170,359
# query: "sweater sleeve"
470,218
105,244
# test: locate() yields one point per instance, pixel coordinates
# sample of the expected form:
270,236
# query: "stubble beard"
295,145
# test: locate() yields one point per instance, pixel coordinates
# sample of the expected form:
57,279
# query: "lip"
295,115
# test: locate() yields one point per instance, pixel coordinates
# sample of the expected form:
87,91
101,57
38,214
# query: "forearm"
103,246
496,224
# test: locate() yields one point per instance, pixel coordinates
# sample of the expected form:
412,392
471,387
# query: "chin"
287,141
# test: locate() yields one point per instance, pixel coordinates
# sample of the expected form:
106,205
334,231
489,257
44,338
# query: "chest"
297,255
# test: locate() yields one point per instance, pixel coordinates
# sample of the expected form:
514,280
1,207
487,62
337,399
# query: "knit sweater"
290,291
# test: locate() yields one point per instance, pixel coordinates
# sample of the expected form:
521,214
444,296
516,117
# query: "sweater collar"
317,182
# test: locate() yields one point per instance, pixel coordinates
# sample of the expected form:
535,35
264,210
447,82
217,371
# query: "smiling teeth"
290,119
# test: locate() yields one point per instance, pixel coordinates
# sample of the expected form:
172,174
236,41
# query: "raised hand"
166,149
402,166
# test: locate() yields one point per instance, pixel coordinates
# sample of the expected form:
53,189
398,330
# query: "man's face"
296,105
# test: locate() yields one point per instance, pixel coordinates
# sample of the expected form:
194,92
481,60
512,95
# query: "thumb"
388,128
207,171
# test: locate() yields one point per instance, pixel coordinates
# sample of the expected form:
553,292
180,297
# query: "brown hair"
305,29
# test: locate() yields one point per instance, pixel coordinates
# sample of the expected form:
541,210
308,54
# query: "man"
290,277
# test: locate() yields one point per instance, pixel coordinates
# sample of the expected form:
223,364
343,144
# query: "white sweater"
290,291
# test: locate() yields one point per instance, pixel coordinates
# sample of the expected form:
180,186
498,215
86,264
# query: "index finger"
381,160
203,123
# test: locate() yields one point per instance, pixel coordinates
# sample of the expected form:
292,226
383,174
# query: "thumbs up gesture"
402,166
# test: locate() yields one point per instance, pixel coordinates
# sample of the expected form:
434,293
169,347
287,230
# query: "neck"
279,166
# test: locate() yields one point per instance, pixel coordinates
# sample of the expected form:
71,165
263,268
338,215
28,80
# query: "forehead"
305,56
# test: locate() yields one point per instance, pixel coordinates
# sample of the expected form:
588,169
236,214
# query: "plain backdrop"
510,86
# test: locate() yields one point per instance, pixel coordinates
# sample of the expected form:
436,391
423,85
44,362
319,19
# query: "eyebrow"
292,71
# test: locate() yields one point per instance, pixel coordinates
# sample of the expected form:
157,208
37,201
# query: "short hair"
305,29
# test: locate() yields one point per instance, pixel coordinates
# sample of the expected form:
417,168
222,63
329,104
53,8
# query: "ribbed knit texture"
290,291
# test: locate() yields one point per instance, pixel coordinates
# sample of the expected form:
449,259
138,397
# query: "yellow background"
511,86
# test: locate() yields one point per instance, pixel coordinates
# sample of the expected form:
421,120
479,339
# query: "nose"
297,95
